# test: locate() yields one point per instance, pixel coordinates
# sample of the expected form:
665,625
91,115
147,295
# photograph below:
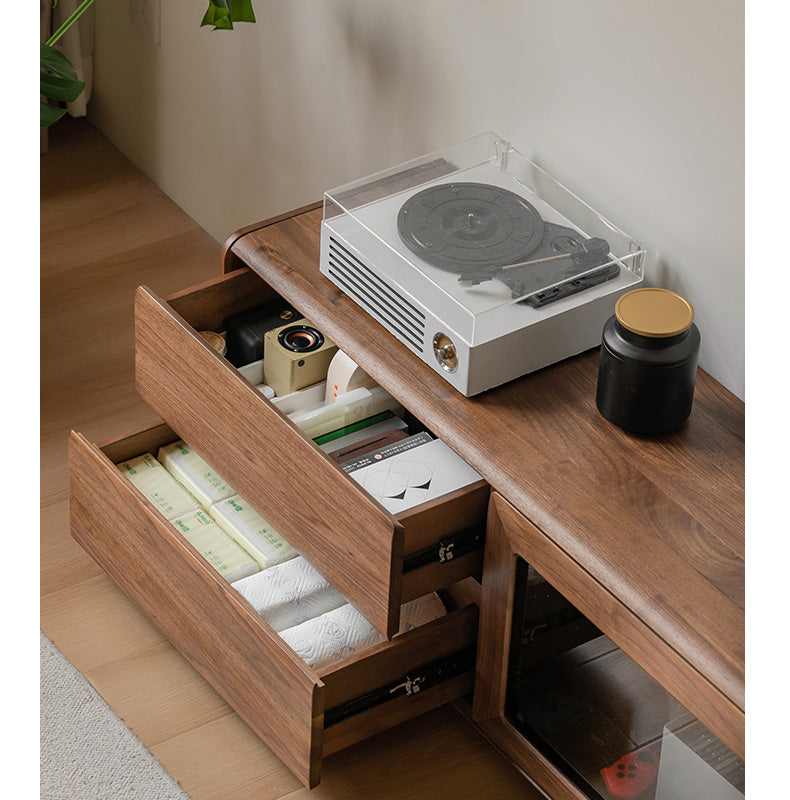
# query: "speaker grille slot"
382,302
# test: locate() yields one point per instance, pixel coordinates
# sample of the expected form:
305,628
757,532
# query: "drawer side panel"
204,618
352,540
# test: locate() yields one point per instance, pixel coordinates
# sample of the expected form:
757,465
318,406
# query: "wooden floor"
105,229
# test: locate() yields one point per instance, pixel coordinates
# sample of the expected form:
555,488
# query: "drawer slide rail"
418,680
446,550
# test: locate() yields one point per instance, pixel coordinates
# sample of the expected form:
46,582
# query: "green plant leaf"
50,114
54,61
223,13
241,11
64,90
59,82
218,15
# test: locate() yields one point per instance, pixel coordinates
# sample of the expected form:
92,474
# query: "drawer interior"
376,558
302,713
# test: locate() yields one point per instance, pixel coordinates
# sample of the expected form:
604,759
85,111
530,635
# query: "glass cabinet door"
612,729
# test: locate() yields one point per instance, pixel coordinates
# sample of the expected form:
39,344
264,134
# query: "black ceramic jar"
648,364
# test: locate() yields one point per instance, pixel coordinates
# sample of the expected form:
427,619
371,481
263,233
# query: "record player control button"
444,350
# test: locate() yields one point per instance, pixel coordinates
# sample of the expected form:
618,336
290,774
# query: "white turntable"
478,261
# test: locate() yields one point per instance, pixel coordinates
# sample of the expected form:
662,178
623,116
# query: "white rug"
87,752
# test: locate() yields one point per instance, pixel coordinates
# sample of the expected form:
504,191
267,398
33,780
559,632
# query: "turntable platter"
463,226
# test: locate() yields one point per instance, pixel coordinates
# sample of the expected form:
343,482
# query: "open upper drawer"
377,560
303,714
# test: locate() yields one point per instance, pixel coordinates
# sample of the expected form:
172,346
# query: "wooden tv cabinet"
645,535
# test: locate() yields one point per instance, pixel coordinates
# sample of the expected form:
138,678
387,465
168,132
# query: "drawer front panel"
205,619
355,543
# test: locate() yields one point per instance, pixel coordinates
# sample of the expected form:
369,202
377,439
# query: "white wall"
636,105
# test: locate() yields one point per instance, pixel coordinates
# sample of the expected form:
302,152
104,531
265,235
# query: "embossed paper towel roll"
159,486
340,633
419,611
215,546
198,477
290,593
331,637
247,527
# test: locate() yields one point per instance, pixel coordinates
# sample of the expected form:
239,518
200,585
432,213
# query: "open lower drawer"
301,713
376,560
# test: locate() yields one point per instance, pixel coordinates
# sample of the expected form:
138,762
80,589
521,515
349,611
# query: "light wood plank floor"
105,229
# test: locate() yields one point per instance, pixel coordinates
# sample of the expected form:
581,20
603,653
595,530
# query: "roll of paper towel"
420,611
290,593
342,632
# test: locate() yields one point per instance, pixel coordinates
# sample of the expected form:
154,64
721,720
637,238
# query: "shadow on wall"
331,93
420,81
396,94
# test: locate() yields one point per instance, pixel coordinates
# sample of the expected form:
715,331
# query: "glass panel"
612,729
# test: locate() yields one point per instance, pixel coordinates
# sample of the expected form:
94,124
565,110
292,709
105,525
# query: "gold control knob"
444,350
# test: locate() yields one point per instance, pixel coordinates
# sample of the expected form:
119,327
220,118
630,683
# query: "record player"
478,261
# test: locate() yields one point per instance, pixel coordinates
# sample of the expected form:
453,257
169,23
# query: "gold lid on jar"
653,312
